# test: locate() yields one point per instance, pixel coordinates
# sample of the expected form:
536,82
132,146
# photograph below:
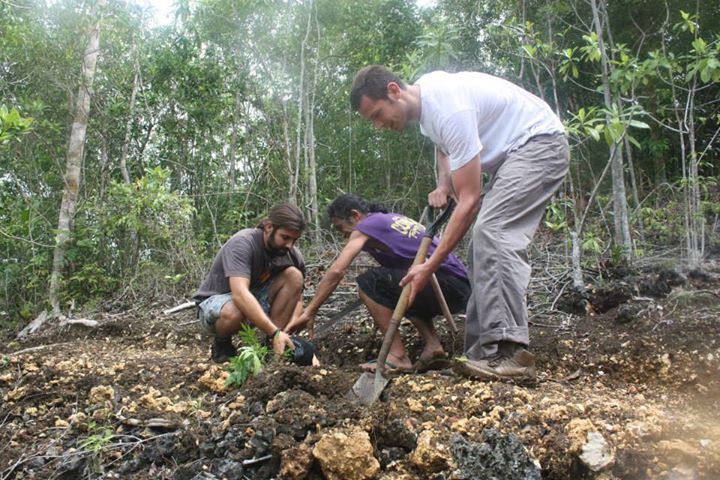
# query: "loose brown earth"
137,398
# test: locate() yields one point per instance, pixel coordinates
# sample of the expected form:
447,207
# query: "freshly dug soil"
638,363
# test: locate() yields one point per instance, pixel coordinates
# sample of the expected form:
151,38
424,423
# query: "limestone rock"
101,394
430,454
346,454
295,462
596,453
577,431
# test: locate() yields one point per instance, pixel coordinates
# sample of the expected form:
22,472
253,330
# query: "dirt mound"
632,392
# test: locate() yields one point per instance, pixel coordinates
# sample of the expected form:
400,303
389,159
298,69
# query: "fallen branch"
79,321
253,461
182,306
33,326
39,347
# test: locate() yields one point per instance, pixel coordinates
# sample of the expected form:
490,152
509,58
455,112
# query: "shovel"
369,386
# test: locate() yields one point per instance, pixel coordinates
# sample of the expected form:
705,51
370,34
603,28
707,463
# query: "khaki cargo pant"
498,261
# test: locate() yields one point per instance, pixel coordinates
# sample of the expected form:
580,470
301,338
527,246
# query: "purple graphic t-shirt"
402,236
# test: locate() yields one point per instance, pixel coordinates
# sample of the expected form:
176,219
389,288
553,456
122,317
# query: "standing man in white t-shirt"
480,123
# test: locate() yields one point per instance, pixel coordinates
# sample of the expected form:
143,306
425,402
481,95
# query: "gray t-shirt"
244,255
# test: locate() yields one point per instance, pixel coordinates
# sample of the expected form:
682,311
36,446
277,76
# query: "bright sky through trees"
164,10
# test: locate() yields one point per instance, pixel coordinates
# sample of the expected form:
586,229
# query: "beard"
273,248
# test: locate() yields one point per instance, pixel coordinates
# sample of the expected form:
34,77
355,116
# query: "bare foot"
392,362
430,354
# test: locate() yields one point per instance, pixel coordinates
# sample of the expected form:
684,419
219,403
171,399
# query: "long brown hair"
285,215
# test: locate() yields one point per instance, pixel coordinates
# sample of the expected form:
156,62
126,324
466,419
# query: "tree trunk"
292,178
697,221
73,163
634,186
300,113
310,131
128,128
622,224
132,253
232,148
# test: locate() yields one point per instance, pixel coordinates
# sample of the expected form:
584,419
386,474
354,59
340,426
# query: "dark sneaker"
222,350
520,365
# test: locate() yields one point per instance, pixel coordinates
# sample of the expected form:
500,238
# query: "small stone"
346,454
596,453
228,469
501,457
430,454
414,405
101,393
295,462
60,423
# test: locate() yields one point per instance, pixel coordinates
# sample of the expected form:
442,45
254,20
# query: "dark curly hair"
342,206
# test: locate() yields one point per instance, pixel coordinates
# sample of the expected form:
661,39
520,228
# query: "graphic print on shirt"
264,276
407,226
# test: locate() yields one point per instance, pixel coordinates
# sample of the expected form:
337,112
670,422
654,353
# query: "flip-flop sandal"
433,363
389,367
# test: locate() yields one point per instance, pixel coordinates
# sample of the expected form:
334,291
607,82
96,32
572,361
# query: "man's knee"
291,277
289,282
230,317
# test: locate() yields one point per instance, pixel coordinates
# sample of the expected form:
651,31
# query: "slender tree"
622,224
74,159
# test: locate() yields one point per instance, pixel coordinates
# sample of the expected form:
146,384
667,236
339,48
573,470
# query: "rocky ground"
628,388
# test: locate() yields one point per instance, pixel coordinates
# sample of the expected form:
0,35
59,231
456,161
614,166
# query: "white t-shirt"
468,113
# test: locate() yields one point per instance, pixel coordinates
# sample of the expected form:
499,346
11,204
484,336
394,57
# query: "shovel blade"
368,387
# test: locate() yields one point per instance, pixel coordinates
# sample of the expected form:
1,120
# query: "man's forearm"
327,286
459,223
252,311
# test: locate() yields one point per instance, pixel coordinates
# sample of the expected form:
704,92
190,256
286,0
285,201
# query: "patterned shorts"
209,309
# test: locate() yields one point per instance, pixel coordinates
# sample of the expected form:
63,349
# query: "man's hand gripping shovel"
369,386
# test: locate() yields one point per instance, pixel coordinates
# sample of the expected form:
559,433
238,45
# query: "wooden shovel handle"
400,309
443,304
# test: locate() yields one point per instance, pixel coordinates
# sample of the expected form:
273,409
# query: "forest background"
129,152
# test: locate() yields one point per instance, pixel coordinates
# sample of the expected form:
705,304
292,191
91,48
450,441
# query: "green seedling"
97,441
94,445
250,359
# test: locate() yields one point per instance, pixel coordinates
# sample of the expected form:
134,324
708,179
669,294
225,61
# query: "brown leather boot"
521,365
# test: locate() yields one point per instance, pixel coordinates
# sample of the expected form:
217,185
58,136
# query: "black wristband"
272,337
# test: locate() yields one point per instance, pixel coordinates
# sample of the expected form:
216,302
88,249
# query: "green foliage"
148,207
663,223
217,122
99,438
95,443
586,123
138,241
12,125
591,50
556,216
249,360
592,244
